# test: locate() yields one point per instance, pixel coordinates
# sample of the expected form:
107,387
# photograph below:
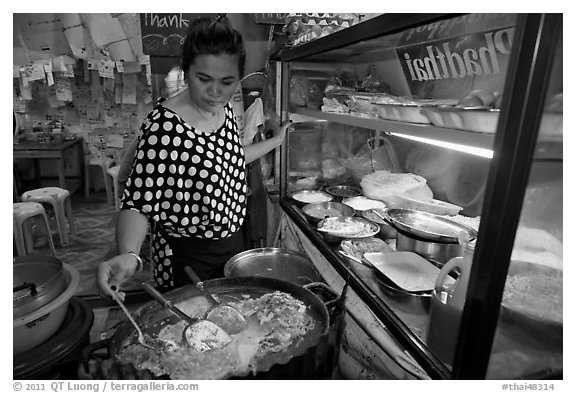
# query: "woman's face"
212,80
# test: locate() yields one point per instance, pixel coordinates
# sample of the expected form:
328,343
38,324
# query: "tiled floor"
94,222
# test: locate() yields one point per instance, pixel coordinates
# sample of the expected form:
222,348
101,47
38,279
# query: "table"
53,151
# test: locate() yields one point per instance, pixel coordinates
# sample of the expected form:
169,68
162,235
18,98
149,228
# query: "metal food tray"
406,271
428,226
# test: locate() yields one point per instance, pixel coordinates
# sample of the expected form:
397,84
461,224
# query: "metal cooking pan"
276,263
152,317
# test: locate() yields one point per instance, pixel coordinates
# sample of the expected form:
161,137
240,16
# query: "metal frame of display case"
514,146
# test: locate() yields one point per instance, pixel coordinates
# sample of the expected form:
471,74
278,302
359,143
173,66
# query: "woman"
188,179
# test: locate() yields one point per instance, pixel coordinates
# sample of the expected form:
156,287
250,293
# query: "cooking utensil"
36,327
317,211
429,226
278,263
437,253
309,196
303,358
334,237
361,203
37,280
201,335
357,260
386,230
143,339
225,316
341,192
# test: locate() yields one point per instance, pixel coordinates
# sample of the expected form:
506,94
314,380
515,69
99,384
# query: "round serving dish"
429,226
336,229
387,231
317,211
361,203
341,192
305,197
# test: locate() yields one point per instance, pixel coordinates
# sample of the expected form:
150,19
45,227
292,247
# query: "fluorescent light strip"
477,151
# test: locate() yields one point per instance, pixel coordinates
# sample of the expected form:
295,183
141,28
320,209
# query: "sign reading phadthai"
163,34
449,58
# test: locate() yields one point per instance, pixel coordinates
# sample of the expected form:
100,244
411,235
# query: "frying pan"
152,317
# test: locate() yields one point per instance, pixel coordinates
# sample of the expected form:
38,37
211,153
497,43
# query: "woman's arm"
131,229
257,150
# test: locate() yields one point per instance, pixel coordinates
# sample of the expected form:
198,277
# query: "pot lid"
429,226
36,284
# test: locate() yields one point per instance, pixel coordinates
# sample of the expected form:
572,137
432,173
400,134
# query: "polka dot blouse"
187,183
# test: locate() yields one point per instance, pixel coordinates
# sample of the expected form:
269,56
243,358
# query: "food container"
315,212
357,247
37,280
433,206
429,226
341,192
470,119
437,253
406,278
387,231
532,307
38,326
276,263
336,229
402,112
361,203
305,197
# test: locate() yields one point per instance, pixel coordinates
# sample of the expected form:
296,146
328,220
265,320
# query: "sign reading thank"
163,34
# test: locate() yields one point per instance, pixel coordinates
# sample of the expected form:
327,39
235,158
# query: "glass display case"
470,108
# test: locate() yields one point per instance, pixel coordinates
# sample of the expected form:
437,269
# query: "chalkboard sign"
163,34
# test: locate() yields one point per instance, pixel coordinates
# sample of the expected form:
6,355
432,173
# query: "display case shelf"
462,137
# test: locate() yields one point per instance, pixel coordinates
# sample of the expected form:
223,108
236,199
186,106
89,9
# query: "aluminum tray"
429,226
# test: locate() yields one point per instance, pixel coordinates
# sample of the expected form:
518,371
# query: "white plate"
409,271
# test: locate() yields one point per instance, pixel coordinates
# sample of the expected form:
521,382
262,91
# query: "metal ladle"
225,316
200,335
143,338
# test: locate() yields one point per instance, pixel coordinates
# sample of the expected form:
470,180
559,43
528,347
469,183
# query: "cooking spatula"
225,316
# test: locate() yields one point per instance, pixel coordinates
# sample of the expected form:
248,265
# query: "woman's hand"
280,131
114,272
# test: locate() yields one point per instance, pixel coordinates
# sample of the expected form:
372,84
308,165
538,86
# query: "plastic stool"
60,201
104,163
113,172
22,212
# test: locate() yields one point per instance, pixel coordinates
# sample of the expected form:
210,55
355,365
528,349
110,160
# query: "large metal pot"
304,359
37,281
36,327
276,263
437,253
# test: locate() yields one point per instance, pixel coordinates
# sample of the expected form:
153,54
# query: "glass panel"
529,336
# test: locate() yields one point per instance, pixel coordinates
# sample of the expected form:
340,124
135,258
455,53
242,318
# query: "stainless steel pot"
276,263
37,280
437,253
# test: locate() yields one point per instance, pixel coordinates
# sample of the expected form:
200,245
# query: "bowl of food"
336,229
361,203
355,249
386,230
305,197
341,192
317,211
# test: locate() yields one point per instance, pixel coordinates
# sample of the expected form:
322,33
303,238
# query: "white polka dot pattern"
180,181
